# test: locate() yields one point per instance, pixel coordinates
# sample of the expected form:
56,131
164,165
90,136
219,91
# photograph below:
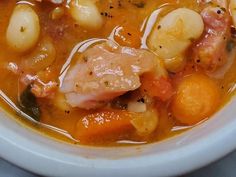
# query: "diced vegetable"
196,99
23,29
103,124
154,86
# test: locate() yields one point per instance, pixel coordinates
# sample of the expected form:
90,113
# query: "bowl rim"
176,162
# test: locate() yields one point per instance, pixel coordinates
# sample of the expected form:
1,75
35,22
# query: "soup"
119,72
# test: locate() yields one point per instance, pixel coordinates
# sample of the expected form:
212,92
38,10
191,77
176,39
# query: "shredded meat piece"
43,85
210,51
42,90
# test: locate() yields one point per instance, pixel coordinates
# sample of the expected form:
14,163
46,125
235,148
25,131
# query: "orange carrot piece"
197,98
103,123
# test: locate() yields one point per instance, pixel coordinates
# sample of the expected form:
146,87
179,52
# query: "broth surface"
71,39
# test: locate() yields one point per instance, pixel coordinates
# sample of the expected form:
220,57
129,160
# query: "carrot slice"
197,98
154,86
103,123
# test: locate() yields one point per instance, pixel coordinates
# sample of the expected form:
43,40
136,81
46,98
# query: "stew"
117,72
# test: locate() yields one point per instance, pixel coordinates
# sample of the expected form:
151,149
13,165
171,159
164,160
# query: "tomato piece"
155,86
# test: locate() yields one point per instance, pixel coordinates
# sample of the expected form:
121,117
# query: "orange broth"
66,34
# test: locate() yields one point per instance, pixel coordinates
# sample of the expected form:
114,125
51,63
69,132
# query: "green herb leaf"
28,104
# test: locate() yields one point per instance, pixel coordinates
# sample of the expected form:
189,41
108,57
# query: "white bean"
86,14
175,64
146,123
23,29
175,32
232,7
135,106
161,68
60,102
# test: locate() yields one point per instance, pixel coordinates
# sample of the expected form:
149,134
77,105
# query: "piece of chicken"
103,72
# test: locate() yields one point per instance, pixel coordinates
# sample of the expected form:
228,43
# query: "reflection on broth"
108,73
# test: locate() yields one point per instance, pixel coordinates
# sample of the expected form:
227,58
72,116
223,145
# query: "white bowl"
183,153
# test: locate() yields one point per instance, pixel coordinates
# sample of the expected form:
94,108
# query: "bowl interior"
190,150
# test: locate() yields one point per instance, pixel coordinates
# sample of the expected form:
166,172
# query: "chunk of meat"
210,51
104,72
